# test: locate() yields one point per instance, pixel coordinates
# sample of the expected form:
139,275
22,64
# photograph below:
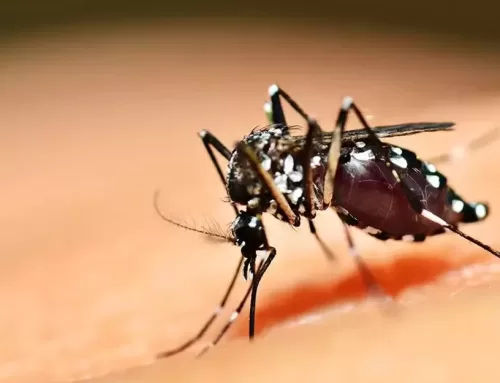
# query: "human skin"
94,283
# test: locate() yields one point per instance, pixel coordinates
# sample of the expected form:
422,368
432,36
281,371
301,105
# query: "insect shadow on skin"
382,189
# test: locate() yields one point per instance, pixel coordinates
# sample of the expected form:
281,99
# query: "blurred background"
461,20
100,105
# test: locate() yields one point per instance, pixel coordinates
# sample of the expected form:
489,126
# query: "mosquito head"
249,233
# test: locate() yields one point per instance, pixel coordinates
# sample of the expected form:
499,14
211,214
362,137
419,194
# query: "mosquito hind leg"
460,151
399,176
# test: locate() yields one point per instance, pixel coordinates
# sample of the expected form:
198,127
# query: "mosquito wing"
399,130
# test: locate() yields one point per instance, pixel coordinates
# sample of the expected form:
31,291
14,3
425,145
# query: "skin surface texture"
94,284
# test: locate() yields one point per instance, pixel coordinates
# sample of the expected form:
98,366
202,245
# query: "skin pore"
94,283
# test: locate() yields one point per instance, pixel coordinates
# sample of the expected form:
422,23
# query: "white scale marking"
281,182
273,89
267,108
254,202
457,205
253,222
397,150
367,155
434,181
431,168
288,166
434,218
296,176
266,163
295,195
371,230
315,161
277,132
480,210
399,161
396,175
360,144
347,102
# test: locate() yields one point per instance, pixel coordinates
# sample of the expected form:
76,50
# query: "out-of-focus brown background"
101,103
476,21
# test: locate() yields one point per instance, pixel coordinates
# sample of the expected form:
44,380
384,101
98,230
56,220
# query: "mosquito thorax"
279,155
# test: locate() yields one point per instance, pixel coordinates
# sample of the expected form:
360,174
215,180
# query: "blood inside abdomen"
368,190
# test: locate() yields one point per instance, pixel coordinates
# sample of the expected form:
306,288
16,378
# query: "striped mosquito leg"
434,218
274,111
236,313
209,322
369,280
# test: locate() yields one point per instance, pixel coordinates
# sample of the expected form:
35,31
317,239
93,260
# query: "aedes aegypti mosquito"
380,188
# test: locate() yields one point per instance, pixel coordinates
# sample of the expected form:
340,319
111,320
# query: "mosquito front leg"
209,140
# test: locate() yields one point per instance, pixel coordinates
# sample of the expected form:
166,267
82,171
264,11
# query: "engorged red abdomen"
369,192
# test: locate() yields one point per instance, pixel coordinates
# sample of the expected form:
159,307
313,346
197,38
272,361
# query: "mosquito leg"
333,158
275,92
283,205
236,313
328,253
255,285
277,116
209,140
369,280
274,110
461,150
434,218
309,194
209,322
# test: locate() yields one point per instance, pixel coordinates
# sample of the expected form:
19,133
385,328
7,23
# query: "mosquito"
381,188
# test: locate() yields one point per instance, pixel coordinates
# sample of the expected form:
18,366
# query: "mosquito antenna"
211,232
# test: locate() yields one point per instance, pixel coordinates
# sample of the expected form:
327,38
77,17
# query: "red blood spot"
394,277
